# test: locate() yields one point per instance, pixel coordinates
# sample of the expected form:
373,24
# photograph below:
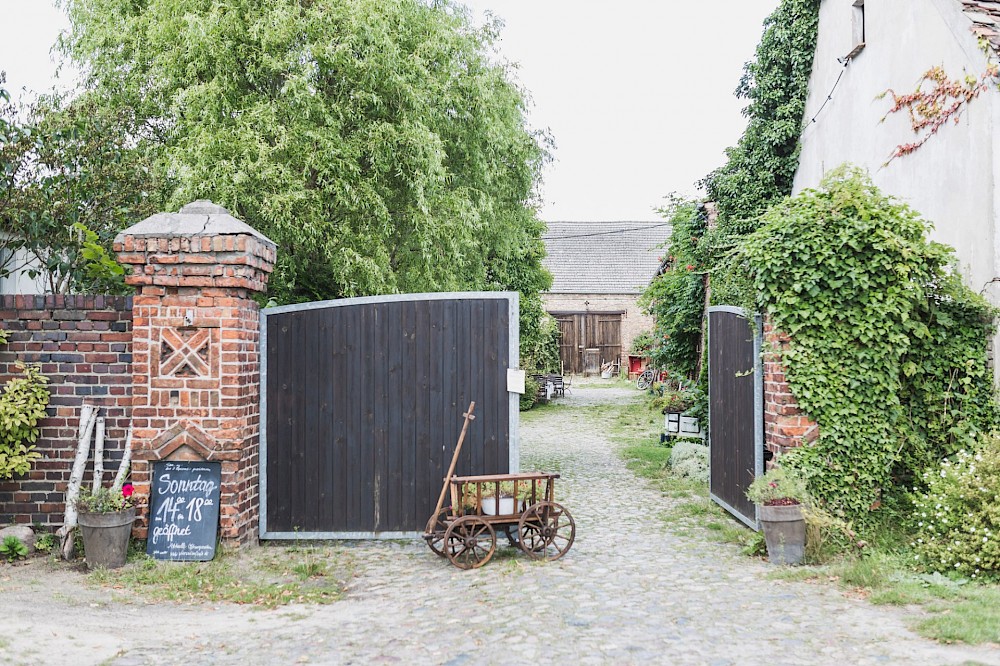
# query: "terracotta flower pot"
784,532
105,537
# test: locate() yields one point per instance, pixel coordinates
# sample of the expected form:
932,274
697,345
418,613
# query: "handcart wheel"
547,531
469,542
435,539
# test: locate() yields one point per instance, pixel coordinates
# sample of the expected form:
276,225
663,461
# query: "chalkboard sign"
184,511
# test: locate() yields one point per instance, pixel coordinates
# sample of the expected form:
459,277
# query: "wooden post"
451,469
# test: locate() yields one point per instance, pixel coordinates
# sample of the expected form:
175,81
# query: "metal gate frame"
513,351
758,409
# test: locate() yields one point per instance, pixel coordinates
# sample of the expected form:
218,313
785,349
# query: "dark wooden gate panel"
363,405
579,331
735,410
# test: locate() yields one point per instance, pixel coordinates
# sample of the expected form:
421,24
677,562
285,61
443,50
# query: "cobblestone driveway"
630,591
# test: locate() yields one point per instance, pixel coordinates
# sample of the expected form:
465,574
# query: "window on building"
858,27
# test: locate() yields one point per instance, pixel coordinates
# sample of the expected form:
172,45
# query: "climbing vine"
676,297
936,100
761,167
888,348
758,172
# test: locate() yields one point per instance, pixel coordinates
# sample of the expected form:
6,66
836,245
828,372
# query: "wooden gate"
580,331
362,405
735,410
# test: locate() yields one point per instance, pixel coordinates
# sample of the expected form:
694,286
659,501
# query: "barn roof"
603,257
985,16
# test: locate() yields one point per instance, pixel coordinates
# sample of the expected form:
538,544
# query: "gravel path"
630,591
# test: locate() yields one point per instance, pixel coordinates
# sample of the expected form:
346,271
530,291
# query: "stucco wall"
634,321
950,179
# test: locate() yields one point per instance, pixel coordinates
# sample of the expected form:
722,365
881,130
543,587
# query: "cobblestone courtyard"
630,591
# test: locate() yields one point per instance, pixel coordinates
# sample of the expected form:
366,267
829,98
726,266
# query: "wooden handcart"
522,506
519,505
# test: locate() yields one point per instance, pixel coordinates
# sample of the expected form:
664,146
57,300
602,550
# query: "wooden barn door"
362,405
609,337
580,331
570,343
735,410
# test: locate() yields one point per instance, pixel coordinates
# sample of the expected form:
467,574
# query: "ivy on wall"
888,348
761,167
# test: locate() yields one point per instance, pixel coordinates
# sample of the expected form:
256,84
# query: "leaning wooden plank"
76,478
98,455
125,464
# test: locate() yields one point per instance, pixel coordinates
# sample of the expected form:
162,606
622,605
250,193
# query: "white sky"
638,94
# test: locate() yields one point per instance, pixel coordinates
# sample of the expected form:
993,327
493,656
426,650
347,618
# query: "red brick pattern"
196,370
785,425
84,346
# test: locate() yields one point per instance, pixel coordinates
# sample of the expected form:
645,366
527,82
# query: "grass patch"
647,461
268,577
541,410
597,383
954,610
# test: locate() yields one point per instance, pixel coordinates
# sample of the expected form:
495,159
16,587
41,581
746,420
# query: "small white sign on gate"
515,381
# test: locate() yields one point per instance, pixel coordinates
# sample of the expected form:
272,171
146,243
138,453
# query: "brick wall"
84,347
196,380
785,425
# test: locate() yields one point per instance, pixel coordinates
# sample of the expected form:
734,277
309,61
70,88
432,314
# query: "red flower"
127,490
690,267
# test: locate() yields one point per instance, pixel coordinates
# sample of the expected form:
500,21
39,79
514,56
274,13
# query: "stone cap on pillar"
200,246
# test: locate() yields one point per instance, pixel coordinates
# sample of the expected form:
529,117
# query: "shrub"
22,406
690,460
530,395
958,517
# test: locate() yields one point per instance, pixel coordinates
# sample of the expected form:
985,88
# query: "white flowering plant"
957,518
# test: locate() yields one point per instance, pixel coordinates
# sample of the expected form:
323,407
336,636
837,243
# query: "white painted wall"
19,282
950,180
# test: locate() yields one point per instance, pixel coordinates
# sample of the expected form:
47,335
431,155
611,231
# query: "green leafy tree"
72,174
376,141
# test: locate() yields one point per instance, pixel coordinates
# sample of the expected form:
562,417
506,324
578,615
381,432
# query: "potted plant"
674,398
498,504
105,517
779,495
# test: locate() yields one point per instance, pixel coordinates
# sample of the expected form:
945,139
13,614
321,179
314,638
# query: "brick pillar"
195,367
785,425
